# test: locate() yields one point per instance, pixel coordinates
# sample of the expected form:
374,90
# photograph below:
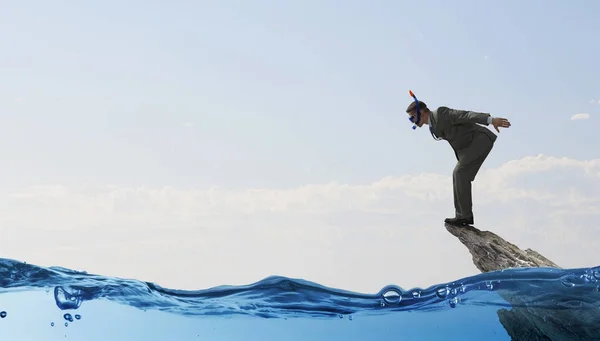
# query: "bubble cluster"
592,276
450,293
68,318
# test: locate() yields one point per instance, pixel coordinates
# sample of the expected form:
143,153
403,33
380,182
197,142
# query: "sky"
196,143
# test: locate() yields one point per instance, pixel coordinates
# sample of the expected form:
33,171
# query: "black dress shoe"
459,221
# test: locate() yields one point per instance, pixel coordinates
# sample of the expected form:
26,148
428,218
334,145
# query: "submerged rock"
492,253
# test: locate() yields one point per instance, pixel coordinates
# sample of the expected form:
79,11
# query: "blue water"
54,303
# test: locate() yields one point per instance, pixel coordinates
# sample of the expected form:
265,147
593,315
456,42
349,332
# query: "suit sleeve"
464,116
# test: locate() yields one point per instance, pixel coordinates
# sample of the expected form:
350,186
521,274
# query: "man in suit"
471,143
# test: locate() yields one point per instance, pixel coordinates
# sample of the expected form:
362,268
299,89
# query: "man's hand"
500,122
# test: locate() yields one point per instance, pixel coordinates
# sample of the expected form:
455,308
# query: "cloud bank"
337,234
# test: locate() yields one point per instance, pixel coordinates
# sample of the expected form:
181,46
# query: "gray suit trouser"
470,160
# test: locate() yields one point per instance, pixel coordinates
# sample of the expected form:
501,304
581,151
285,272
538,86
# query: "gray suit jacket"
460,128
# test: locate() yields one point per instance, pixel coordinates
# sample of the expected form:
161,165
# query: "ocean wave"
282,297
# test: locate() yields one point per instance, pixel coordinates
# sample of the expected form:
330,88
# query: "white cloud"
580,117
336,234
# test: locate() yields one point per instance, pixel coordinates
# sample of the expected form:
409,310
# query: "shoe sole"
459,224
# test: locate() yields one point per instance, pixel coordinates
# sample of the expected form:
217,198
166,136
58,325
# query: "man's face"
413,114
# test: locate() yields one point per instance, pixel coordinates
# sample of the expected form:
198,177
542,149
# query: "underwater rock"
580,320
528,324
491,252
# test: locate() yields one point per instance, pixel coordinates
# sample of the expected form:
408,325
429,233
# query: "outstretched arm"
465,116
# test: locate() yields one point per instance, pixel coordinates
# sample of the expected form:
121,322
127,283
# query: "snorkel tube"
412,119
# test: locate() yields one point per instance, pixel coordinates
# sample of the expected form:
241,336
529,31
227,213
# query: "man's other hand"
500,122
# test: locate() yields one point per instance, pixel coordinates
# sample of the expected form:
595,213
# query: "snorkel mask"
412,119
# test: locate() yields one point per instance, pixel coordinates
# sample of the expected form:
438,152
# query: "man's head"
412,112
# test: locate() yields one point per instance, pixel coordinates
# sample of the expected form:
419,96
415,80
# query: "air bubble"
489,285
68,317
52,324
392,295
78,317
453,302
3,314
442,292
416,294
67,300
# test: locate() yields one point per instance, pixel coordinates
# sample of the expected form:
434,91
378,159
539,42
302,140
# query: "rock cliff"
490,252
